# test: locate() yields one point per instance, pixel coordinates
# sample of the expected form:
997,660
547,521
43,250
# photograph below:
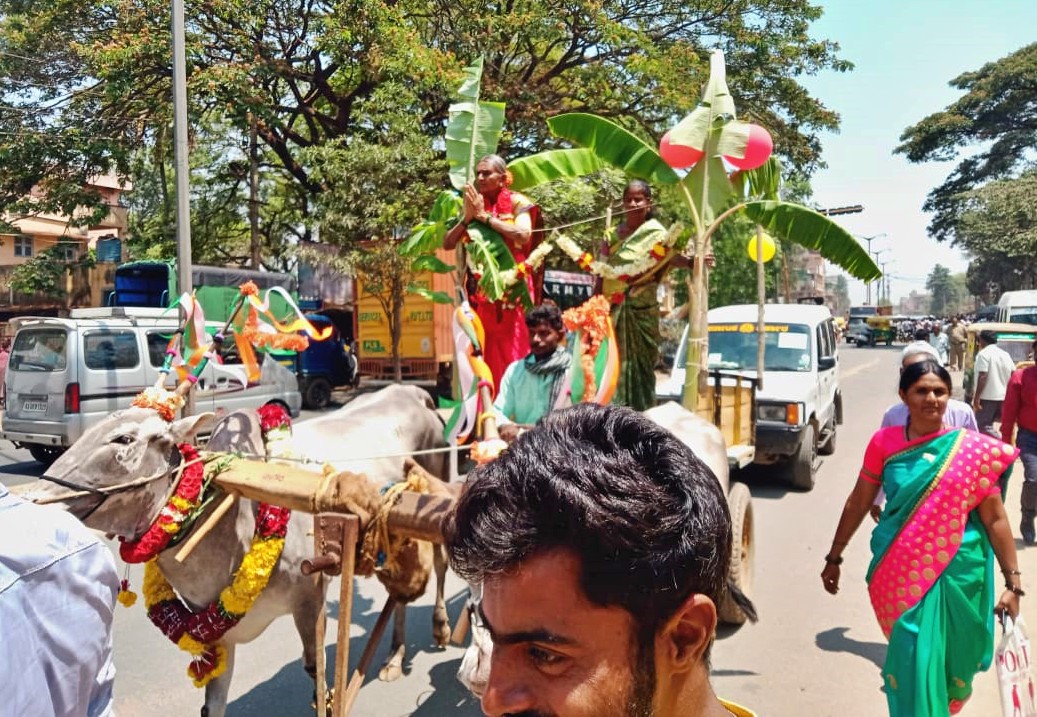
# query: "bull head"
127,445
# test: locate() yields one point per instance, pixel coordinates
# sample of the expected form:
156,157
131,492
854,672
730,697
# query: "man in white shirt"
994,367
58,584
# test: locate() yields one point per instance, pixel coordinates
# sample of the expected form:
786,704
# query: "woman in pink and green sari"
933,548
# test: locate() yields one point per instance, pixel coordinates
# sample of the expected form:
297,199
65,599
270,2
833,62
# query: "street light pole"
869,240
180,140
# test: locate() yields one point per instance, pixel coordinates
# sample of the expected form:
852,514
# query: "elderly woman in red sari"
512,215
933,548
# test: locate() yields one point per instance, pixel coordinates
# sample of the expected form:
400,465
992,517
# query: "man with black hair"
603,544
537,384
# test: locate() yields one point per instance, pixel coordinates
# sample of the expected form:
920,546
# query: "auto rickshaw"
1016,339
881,329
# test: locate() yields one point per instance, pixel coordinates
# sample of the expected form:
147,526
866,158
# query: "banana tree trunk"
696,367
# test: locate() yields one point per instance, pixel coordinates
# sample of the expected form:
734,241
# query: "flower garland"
623,272
170,521
527,267
198,633
165,402
591,319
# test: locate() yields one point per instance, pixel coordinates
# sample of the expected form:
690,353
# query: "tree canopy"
991,130
86,87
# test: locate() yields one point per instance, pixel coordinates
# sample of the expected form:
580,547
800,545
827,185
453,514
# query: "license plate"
34,406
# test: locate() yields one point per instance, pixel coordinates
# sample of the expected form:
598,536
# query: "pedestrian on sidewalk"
958,415
957,338
1020,409
940,342
929,580
994,367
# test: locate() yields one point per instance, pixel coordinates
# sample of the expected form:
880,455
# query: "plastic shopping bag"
1014,670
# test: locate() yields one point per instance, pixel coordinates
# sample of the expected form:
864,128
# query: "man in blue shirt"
58,584
535,385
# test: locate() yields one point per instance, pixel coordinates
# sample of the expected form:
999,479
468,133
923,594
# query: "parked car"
64,375
799,407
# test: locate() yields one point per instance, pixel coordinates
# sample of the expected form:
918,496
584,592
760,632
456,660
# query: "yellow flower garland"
237,598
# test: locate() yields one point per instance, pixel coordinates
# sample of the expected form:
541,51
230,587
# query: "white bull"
136,443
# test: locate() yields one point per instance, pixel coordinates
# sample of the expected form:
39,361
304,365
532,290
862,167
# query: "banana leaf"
803,226
474,128
489,251
764,182
544,167
428,235
614,145
437,297
431,262
709,173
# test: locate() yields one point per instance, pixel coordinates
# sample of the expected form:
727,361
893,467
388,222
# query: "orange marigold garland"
162,400
591,320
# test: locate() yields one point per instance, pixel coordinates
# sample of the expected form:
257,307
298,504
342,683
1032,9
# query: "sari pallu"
931,578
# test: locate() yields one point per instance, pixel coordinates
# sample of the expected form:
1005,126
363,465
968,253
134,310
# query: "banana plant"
473,131
710,194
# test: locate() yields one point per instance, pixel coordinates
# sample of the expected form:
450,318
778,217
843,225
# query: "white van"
800,405
64,375
1017,307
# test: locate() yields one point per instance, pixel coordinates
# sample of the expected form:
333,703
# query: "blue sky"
905,52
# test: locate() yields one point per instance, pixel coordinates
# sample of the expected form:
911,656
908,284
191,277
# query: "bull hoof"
441,631
205,711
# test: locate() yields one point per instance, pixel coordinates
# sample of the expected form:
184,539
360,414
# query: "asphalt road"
810,654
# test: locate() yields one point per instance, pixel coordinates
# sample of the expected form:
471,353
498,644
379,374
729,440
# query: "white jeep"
800,405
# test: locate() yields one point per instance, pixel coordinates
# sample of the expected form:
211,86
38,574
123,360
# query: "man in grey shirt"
58,584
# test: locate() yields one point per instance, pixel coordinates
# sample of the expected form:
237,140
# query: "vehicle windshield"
1024,315
38,350
732,347
1018,350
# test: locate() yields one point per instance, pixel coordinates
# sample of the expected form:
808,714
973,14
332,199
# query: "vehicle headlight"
771,412
789,413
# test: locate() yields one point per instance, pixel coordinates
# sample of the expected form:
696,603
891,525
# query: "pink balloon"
677,155
757,149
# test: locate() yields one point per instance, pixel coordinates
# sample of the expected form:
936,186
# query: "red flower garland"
207,626
272,416
504,206
171,518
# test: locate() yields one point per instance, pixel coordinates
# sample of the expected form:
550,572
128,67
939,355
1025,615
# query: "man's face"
555,654
543,340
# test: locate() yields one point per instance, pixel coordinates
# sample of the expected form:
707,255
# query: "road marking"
857,369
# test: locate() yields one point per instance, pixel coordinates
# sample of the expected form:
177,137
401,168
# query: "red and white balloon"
678,156
758,148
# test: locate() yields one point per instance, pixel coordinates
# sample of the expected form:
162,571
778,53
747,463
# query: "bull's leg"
216,692
393,667
305,615
440,619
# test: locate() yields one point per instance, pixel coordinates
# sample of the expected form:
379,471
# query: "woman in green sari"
933,548
641,251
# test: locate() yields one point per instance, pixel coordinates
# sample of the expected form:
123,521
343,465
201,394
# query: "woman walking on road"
932,549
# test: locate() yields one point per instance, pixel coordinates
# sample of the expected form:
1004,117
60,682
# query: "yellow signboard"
374,340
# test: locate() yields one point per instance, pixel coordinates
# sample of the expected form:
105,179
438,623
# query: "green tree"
991,129
45,273
88,81
940,288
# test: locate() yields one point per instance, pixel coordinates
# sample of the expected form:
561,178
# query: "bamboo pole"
356,681
345,614
202,530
